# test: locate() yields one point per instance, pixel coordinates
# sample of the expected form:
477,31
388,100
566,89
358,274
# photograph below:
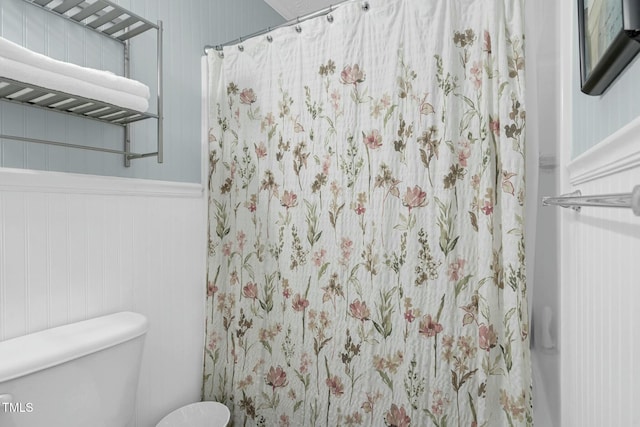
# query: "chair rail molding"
61,182
618,152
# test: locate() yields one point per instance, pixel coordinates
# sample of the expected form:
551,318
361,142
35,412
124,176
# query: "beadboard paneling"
74,247
600,290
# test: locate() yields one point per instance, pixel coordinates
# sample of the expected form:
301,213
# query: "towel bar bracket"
576,200
559,201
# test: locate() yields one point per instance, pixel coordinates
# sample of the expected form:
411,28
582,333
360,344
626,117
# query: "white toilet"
84,374
201,414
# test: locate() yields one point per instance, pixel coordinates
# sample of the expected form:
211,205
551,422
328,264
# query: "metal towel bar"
576,200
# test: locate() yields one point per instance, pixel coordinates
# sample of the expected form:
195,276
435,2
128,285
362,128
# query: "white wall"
74,247
542,253
599,263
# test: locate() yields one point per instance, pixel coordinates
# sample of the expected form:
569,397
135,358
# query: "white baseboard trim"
618,152
24,180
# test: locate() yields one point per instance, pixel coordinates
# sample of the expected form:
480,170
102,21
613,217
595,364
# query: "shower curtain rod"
575,200
298,20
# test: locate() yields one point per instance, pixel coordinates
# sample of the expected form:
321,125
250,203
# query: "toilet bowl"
201,414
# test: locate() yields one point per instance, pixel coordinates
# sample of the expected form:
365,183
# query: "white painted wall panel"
604,286
74,247
600,289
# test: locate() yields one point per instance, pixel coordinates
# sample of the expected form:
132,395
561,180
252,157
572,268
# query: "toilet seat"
201,414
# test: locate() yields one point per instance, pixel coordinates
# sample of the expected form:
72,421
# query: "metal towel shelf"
576,200
112,21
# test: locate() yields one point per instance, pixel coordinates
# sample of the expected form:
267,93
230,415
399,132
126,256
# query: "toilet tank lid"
41,350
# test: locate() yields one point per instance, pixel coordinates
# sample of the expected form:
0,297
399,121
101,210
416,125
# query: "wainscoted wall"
79,246
189,25
601,290
599,248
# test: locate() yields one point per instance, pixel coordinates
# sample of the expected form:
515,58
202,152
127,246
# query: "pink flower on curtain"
488,337
397,417
299,303
494,125
428,327
318,257
415,198
250,290
440,402
486,46
211,289
352,75
326,164
269,120
261,150
251,204
276,377
240,236
476,75
368,406
346,246
233,278
289,199
284,421
336,100
227,248
408,316
464,153
359,310
305,362
373,140
335,385
247,96
213,341
455,269
487,209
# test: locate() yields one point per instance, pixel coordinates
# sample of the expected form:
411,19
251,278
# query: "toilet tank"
78,375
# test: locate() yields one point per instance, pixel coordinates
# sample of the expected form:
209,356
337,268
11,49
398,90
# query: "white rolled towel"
24,65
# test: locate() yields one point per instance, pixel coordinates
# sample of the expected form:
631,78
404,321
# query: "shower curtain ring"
298,27
329,15
365,6
240,47
269,38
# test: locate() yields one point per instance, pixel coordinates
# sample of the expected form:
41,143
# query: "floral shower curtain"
366,248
